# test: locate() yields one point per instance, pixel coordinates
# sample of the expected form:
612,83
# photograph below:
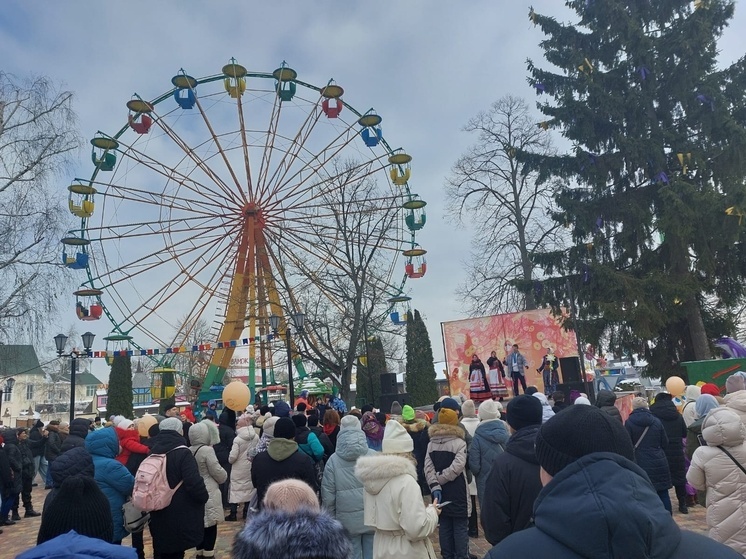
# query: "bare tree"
490,192
38,139
343,285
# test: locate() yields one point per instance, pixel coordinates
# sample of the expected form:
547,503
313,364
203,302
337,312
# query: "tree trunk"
697,333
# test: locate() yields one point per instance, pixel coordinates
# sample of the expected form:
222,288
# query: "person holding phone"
392,503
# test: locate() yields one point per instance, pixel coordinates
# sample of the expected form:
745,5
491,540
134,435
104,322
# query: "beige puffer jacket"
737,402
714,471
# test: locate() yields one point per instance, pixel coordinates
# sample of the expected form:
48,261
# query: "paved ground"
22,536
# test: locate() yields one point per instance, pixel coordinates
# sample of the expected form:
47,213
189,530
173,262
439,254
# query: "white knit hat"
269,426
489,409
172,424
582,400
124,423
290,495
468,409
396,440
350,422
117,420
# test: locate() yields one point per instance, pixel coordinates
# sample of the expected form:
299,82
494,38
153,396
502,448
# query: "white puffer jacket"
241,487
714,471
202,436
737,402
471,424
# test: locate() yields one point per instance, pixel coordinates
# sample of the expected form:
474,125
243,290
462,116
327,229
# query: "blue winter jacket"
650,454
309,443
112,477
74,546
487,444
341,491
603,506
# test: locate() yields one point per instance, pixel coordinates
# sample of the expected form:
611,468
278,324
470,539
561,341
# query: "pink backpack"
151,491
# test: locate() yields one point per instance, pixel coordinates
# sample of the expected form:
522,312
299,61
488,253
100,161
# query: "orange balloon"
675,386
236,396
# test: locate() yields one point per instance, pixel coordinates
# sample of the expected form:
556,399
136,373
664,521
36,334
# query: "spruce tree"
420,372
654,193
368,385
119,395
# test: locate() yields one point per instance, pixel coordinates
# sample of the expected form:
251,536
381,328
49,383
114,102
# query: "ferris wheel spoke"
145,229
307,211
245,147
173,174
269,144
202,165
296,147
299,192
139,196
375,241
219,147
186,275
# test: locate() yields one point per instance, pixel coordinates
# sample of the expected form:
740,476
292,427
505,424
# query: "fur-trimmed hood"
443,431
416,426
376,471
302,534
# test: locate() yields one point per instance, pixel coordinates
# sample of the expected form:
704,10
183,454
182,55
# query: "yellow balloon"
675,386
236,396
145,423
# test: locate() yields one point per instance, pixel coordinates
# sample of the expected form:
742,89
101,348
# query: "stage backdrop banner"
533,331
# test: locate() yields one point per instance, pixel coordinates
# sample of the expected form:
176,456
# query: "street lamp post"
60,340
299,320
7,389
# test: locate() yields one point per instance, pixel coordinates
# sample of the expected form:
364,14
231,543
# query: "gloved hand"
437,494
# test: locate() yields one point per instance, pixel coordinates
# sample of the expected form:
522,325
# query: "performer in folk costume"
548,370
479,387
497,377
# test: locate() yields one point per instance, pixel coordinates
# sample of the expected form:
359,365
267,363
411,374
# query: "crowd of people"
559,478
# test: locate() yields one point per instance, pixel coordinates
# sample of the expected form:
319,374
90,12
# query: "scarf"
329,429
372,429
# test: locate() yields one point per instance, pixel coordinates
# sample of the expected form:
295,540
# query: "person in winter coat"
342,493
445,471
318,430
111,476
470,422
241,488
79,429
736,401
705,404
38,440
27,463
546,409
417,429
392,501
268,433
718,469
489,442
282,460
77,546
515,367
596,502
307,441
513,484
10,505
179,526
664,409
548,369
650,440
227,430
331,422
203,436
6,485
691,394
605,401
558,398
52,447
479,385
129,440
373,430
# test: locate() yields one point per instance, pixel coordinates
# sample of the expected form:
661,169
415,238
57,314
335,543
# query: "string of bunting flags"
181,349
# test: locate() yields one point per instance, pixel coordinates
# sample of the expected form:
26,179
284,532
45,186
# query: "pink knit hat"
290,495
244,421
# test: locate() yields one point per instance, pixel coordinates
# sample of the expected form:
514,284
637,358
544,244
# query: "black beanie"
284,428
524,411
451,404
299,420
576,432
313,419
78,505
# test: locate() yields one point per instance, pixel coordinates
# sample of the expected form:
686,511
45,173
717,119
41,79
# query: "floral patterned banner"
533,331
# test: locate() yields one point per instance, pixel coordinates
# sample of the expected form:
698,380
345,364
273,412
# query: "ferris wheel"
224,200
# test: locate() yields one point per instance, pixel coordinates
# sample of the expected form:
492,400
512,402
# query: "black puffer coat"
417,429
227,430
180,526
15,458
54,443
512,487
6,475
36,439
79,430
650,454
74,462
27,459
675,427
605,400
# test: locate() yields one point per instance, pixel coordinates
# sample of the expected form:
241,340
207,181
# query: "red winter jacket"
129,440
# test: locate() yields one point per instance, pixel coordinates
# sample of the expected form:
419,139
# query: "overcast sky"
426,66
